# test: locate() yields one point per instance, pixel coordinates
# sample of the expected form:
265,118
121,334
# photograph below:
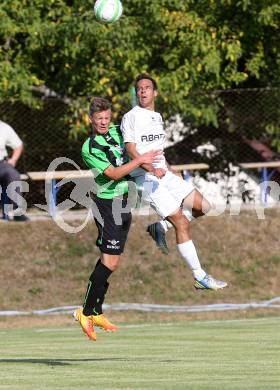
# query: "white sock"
166,225
189,254
188,215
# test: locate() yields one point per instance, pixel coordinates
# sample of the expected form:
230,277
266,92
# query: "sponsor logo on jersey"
152,137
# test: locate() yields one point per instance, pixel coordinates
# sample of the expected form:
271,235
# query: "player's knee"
182,224
111,261
204,209
114,266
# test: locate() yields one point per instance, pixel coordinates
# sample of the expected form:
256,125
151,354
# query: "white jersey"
8,137
144,128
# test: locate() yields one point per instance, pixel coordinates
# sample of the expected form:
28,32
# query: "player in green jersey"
104,153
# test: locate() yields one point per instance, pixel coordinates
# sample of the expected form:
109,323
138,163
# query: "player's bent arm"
132,152
116,173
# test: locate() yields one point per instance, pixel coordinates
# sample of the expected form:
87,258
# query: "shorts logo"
152,137
114,244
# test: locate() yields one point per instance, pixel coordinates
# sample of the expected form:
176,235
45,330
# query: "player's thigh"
112,234
158,196
178,188
197,202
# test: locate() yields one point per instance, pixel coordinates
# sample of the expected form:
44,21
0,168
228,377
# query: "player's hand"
159,172
151,157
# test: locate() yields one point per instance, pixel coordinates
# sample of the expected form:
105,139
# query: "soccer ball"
108,11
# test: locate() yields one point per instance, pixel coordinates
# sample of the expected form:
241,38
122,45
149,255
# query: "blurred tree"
57,48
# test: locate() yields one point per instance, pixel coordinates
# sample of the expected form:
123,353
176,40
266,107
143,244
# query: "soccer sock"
189,254
106,285
96,289
166,225
188,215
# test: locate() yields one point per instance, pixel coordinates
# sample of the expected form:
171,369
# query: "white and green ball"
108,11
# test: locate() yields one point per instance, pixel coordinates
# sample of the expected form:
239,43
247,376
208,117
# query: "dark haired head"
98,104
145,76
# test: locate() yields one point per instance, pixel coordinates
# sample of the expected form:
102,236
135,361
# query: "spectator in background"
8,172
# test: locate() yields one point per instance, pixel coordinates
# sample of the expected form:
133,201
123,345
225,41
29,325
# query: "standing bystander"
8,171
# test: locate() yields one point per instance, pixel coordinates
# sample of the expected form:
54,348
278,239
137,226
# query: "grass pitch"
224,354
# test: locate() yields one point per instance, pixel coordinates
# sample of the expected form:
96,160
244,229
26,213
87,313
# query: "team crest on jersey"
158,120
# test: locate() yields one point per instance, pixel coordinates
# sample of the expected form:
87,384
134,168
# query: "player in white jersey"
142,129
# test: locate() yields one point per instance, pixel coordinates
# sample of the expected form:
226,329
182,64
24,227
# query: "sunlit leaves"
187,45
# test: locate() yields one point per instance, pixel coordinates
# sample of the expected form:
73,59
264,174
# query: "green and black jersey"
101,151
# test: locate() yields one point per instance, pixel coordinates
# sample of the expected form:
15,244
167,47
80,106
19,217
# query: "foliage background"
57,48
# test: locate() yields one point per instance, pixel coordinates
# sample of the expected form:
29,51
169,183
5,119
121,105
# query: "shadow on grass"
67,362
55,362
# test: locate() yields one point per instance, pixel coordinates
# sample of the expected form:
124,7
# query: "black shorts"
113,226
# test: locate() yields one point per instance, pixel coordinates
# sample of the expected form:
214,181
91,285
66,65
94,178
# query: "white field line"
270,320
273,303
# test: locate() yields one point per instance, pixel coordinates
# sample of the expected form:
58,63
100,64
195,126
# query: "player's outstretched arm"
132,152
116,173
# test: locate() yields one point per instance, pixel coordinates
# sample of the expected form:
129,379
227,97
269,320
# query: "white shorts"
164,195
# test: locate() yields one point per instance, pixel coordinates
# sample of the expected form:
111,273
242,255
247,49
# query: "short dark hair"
145,76
98,104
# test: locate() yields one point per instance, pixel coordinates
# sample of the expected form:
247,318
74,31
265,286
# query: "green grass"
229,354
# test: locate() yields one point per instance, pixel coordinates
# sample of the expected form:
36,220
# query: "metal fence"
247,121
